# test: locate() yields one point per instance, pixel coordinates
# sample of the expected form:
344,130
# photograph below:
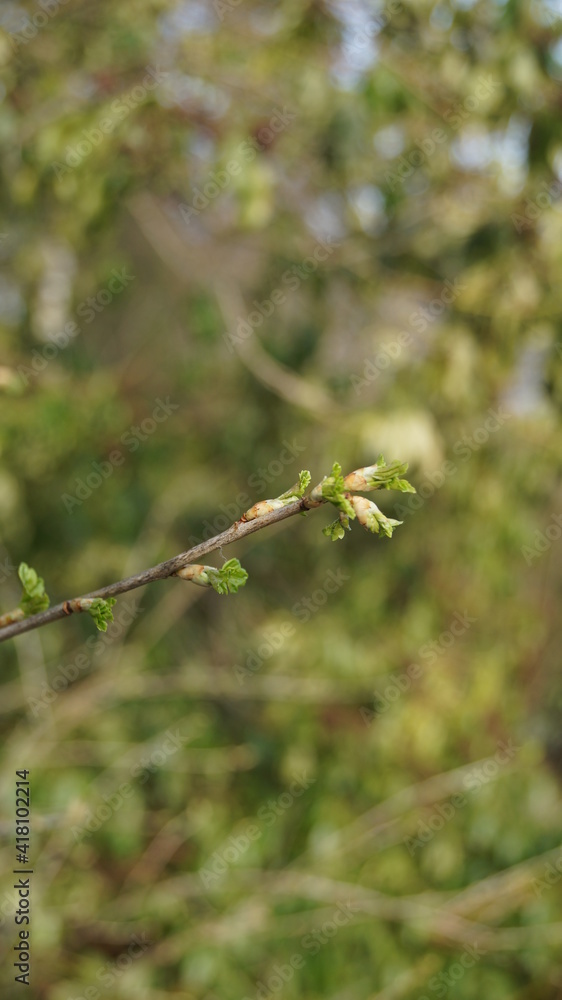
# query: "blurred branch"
384,814
174,252
199,683
161,234
497,894
271,373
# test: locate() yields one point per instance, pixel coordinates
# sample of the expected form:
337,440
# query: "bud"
360,479
333,490
379,476
372,519
296,492
261,508
196,573
226,580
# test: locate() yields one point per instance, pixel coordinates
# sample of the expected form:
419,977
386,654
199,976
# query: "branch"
333,489
159,572
278,377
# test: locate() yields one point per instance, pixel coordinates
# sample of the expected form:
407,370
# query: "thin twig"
160,572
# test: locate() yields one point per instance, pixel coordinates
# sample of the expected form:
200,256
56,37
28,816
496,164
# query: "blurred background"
238,240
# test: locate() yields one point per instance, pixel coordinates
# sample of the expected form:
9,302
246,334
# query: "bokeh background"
169,171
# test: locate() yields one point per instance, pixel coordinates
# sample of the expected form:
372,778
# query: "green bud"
332,488
373,519
289,496
100,610
226,580
229,578
379,477
34,599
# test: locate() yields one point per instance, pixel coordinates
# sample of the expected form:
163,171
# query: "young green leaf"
34,599
304,481
334,530
333,489
379,477
298,490
100,610
228,579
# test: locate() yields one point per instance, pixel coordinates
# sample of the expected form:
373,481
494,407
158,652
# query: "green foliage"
100,610
34,598
426,143
337,529
387,477
333,489
303,483
297,491
228,579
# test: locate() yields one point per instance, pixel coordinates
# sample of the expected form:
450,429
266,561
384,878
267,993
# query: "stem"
160,572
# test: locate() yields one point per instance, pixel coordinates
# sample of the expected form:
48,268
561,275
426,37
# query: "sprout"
34,599
373,519
379,477
226,580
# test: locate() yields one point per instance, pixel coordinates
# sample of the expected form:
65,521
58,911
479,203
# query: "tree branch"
334,489
162,571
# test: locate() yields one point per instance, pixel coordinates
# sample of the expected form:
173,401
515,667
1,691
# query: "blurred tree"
317,229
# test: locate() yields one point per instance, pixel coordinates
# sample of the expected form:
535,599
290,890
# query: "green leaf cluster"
100,610
34,598
332,488
387,477
228,579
